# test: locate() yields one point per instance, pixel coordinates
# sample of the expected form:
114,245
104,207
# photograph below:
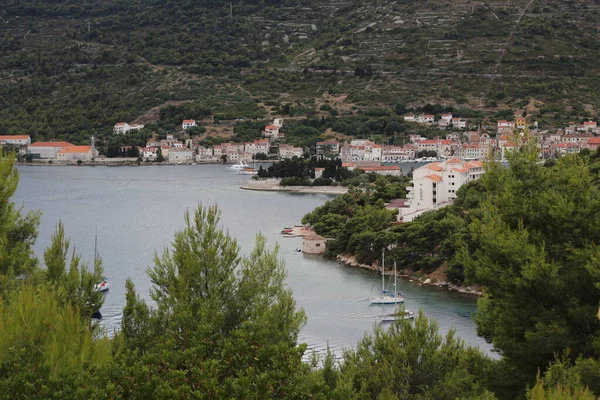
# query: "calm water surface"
137,210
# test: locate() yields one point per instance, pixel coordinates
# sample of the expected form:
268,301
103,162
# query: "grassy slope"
70,68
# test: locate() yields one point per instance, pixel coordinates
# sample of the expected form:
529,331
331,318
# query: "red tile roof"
75,149
51,144
382,168
434,177
9,137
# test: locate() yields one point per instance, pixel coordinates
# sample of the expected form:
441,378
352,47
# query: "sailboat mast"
96,246
395,286
382,269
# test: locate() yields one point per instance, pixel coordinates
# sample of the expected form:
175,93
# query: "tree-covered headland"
225,325
526,233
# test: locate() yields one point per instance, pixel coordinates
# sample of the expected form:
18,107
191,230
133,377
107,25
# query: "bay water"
137,210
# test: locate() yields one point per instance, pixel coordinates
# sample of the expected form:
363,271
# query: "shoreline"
116,163
272,185
350,261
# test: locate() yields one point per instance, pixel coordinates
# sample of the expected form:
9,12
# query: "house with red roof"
188,123
16,140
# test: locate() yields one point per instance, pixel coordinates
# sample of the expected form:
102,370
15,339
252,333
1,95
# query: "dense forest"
224,325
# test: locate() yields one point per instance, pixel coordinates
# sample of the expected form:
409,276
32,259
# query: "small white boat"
397,316
239,166
102,286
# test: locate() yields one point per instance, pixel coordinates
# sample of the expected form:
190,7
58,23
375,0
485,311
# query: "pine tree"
17,232
224,325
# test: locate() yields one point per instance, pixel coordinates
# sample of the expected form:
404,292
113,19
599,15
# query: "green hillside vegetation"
70,69
224,324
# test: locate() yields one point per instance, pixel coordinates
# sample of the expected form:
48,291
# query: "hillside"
70,69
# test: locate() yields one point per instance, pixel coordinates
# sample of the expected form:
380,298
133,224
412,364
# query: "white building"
258,146
180,155
150,153
271,131
398,153
473,151
426,119
362,150
188,123
121,128
46,150
505,126
16,140
443,147
435,185
459,123
205,153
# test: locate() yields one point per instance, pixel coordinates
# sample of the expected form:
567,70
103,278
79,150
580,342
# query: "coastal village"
456,141
459,153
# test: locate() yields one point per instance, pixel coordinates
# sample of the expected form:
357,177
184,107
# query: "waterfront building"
75,153
398,153
180,155
150,153
16,140
313,244
46,150
435,185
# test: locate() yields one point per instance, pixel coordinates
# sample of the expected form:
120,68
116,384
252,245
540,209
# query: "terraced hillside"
71,68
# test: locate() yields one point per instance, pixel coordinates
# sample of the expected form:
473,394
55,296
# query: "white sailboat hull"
386,300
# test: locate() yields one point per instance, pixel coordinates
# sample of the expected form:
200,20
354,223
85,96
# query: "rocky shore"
420,280
272,185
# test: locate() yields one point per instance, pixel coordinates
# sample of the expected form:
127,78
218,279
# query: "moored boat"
102,286
398,315
386,296
247,171
239,166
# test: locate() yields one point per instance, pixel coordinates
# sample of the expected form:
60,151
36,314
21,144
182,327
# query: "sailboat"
398,314
102,286
386,296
